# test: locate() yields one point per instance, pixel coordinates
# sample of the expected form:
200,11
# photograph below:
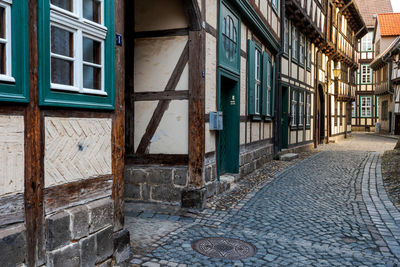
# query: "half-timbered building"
365,106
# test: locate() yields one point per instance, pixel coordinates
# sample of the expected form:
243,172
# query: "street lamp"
336,73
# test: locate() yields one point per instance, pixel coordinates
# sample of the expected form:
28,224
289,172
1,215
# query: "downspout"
278,89
316,93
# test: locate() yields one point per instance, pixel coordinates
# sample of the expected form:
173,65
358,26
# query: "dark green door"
285,118
228,138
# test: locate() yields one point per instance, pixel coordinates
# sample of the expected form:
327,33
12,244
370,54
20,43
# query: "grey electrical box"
216,121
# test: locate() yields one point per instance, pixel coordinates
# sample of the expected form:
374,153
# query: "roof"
382,58
368,8
389,24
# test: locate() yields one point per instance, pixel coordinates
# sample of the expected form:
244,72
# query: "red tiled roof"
389,24
368,8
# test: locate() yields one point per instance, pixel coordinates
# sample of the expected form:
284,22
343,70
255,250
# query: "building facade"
366,104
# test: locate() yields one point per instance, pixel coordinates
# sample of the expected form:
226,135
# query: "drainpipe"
278,88
316,93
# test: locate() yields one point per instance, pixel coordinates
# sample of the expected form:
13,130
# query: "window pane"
91,51
64,4
62,71
2,22
2,58
62,42
92,10
91,77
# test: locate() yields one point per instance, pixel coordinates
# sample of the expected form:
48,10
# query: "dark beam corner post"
194,195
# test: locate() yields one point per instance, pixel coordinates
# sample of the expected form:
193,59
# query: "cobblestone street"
329,209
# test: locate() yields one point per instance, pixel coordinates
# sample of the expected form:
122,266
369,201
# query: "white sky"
395,5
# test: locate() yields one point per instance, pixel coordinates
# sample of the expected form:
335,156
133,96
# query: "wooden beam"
160,33
34,178
161,159
163,104
163,95
118,122
12,209
192,11
196,108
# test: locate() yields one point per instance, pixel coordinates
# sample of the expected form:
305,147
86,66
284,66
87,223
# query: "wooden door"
397,124
285,118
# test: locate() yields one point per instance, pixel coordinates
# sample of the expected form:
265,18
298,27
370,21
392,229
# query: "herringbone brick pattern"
11,154
76,148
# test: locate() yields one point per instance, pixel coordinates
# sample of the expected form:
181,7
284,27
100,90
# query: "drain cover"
224,248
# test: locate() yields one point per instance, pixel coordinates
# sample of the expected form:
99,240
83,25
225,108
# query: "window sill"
285,55
74,89
255,117
308,68
7,79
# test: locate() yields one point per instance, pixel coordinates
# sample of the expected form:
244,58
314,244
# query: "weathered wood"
161,159
67,113
34,178
196,108
162,105
118,123
161,33
76,193
164,95
211,30
12,209
192,11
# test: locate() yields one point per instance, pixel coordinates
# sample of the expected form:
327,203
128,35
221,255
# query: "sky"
396,5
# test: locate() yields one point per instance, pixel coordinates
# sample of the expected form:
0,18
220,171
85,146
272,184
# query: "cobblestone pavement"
327,210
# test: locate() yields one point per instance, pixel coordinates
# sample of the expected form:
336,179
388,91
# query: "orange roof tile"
389,24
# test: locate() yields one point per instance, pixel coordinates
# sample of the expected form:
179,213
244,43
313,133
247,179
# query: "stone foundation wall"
13,245
81,236
155,183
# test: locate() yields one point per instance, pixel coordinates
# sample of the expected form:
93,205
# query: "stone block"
13,245
165,193
135,176
214,172
122,246
58,230
259,163
208,174
145,191
160,176
88,252
67,257
193,198
289,156
104,244
180,176
212,189
245,158
132,191
80,222
101,214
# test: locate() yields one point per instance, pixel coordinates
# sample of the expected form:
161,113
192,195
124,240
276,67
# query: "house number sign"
233,101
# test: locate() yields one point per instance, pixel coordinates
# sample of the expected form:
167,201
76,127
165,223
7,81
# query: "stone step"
289,156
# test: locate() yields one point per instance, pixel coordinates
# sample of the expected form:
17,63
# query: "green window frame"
302,49
309,48
366,74
295,53
14,83
275,5
365,106
353,109
254,79
377,106
308,110
267,86
104,99
286,37
294,108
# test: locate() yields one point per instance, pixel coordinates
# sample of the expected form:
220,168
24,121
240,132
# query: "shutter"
266,67
251,77
272,89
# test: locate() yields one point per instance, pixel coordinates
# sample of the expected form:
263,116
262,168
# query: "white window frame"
353,109
366,74
294,43
366,43
80,27
269,87
302,46
257,80
294,108
366,106
286,36
301,108
308,103
7,77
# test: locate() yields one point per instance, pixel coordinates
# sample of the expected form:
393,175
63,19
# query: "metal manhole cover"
224,248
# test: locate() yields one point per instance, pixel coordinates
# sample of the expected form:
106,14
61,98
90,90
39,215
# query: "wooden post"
34,179
118,124
196,108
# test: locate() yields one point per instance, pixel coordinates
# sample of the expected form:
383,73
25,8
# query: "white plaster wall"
211,70
151,15
155,60
292,137
211,12
210,137
143,112
300,136
171,136
11,154
76,149
242,133
255,131
243,75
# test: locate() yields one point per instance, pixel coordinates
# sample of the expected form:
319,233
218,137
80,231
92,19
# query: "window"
366,42
309,54
341,113
267,85
308,110
80,53
301,108
257,78
353,109
294,43
14,51
366,74
293,108
286,36
377,106
229,37
366,106
275,4
302,48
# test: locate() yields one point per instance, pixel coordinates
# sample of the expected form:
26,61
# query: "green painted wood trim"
372,106
48,97
18,91
246,10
